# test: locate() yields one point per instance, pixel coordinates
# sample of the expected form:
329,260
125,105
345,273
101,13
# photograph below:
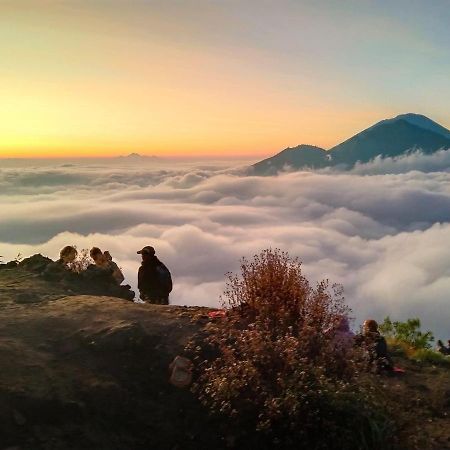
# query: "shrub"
432,357
18,258
407,332
13,262
82,261
279,370
399,348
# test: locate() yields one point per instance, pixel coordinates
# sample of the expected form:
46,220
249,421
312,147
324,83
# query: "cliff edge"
85,372
82,371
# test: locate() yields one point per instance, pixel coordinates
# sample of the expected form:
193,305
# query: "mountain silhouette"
420,121
293,158
136,157
392,137
387,138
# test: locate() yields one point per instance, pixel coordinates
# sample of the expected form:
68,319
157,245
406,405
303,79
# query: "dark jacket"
154,279
377,349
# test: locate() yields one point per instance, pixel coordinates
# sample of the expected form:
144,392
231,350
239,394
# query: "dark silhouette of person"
104,260
441,348
375,345
154,278
101,277
61,269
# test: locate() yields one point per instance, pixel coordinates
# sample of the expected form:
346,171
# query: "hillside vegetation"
85,371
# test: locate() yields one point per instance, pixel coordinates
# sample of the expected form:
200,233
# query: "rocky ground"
85,372
91,372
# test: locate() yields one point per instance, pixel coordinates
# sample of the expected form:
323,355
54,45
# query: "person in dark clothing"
154,279
375,345
61,270
100,278
441,348
103,260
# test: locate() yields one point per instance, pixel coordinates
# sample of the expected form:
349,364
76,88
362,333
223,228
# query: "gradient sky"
93,78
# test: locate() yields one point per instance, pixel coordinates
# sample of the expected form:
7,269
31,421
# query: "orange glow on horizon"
105,96
110,152
105,80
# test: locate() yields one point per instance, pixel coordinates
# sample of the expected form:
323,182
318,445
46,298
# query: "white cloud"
383,236
414,161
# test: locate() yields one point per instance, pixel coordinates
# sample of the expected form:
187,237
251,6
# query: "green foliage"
275,370
397,348
407,332
432,357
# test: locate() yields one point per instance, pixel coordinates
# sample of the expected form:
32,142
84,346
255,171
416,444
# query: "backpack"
164,278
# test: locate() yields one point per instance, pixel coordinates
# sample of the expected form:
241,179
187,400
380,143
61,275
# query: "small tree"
407,332
18,258
274,367
81,262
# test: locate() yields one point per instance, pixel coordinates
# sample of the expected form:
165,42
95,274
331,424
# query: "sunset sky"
216,78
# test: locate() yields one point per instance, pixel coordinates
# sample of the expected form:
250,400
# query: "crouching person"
154,279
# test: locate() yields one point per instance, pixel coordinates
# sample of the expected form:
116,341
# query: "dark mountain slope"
387,139
421,121
293,158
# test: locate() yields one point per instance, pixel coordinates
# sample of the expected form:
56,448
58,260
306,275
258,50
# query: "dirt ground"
91,372
422,398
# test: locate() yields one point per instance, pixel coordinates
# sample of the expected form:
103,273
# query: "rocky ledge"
84,372
91,372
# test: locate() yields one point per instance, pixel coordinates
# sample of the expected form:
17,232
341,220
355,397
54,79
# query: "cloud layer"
380,230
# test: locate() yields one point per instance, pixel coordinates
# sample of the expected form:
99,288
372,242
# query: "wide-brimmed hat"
148,250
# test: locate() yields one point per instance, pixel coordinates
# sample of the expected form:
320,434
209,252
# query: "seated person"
99,259
60,269
117,273
375,345
67,256
100,270
104,277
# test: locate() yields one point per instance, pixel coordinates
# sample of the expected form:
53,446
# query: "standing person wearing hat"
154,279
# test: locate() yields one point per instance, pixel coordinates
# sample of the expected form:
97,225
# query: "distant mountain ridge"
137,156
387,138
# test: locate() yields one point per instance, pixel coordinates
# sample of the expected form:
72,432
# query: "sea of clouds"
382,230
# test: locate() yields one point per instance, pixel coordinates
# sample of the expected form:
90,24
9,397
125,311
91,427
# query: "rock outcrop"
84,372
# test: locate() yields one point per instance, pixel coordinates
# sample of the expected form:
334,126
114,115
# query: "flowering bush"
81,262
277,366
